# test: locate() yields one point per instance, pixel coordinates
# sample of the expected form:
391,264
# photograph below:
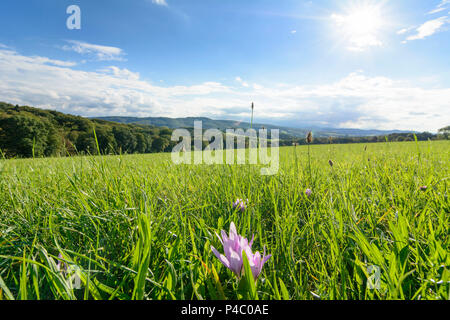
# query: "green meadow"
376,225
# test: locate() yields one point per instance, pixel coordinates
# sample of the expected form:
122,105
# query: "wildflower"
309,137
233,246
240,204
308,192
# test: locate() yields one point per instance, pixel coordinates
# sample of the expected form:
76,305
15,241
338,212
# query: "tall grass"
140,227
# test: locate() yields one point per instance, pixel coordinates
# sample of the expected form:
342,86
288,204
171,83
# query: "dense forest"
31,132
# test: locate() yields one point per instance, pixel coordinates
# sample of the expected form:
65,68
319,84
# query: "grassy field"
140,227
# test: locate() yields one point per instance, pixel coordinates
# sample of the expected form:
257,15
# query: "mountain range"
285,132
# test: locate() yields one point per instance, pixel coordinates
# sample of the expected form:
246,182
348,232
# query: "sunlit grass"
140,227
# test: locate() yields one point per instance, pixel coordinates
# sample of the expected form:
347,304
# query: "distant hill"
285,132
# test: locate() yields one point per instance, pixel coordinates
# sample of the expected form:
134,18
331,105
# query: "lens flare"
360,26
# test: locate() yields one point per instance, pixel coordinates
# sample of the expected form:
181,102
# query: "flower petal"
220,239
235,262
221,257
233,232
251,242
265,260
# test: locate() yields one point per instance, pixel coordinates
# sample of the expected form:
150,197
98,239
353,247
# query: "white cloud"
405,30
437,10
36,59
242,82
428,28
364,42
99,52
58,63
357,100
121,73
160,2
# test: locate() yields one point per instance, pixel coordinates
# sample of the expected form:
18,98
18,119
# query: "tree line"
443,134
31,132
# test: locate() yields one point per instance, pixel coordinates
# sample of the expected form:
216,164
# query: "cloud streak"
444,5
98,52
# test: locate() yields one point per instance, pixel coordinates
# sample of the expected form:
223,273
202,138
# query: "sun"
360,26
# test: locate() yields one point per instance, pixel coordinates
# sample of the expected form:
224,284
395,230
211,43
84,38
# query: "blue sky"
359,64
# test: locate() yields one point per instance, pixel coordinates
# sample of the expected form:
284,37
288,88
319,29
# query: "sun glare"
360,26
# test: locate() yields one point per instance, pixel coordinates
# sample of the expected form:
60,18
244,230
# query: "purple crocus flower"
308,192
256,261
234,245
240,204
